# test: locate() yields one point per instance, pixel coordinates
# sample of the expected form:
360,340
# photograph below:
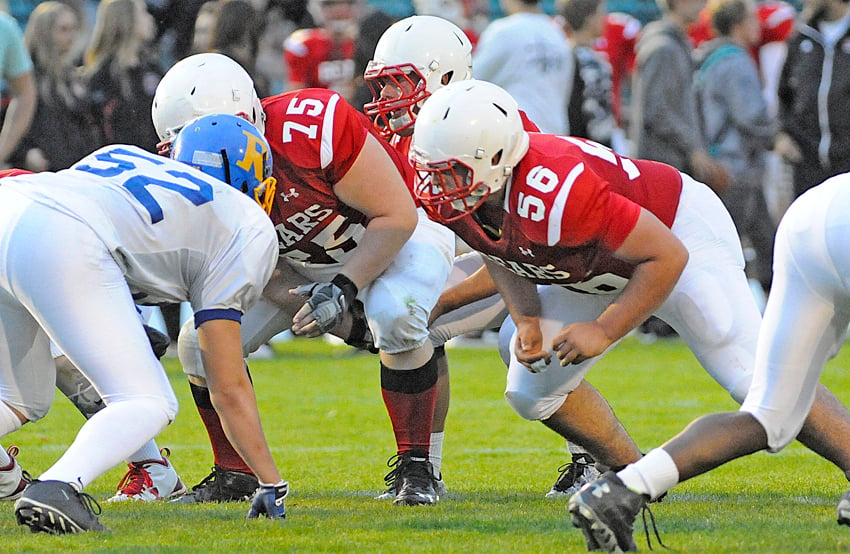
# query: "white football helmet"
204,84
413,58
467,139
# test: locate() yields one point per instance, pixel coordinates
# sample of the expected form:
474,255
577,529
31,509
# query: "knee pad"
189,351
738,390
396,326
532,408
9,420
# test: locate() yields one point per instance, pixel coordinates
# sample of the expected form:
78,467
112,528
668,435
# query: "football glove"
328,302
268,501
159,341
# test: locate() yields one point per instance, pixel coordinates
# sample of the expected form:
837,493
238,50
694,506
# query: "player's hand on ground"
580,341
268,501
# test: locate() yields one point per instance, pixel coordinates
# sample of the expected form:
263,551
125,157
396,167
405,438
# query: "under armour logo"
287,195
526,251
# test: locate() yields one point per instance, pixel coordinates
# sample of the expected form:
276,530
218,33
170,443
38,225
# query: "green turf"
324,417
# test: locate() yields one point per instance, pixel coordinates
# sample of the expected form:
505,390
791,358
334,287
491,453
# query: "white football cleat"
150,480
13,478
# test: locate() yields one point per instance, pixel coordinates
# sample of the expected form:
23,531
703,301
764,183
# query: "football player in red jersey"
583,245
349,233
414,58
323,56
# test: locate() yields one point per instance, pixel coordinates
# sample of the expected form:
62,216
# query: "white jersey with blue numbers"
176,233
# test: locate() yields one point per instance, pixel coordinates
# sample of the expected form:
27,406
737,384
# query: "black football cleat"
222,485
57,508
580,470
416,482
605,511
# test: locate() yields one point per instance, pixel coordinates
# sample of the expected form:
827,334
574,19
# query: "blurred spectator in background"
618,43
204,23
527,54
323,56
814,93
175,23
16,70
235,33
459,12
280,19
665,125
371,26
121,76
62,130
736,124
590,111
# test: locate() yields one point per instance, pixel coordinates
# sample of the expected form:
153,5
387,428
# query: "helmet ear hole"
497,157
447,77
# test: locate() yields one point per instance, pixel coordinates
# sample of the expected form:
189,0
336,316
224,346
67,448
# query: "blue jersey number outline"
137,185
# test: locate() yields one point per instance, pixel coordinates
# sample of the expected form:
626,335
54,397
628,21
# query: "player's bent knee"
530,407
739,390
399,329
189,351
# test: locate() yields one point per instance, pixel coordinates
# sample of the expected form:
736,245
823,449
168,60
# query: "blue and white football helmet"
230,149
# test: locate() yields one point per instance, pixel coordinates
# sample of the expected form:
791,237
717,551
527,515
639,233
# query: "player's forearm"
233,396
240,419
520,294
649,287
476,287
381,243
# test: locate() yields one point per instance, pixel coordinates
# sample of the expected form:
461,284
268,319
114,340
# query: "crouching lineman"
414,58
805,325
125,226
583,245
349,235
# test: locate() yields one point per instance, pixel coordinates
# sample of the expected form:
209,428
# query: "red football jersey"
776,19
617,43
315,138
315,60
571,203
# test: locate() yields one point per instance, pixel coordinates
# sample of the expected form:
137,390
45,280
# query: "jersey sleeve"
235,279
315,135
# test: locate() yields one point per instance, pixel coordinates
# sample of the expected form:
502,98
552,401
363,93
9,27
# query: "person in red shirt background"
323,57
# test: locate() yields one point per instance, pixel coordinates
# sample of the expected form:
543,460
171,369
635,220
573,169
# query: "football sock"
224,455
9,421
124,426
150,451
435,455
653,475
5,460
410,396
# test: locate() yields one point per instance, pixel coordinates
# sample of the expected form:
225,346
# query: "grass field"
331,436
